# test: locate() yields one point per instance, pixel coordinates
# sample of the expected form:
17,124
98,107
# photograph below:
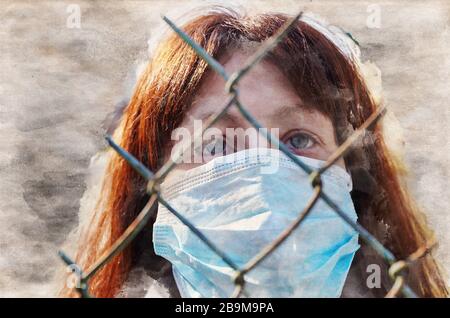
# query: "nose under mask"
242,202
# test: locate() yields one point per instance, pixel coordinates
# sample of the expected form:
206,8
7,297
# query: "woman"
311,91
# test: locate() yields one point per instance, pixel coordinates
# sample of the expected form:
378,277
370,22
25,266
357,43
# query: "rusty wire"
396,267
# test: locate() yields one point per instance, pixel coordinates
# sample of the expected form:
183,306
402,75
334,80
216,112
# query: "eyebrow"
285,111
289,110
226,117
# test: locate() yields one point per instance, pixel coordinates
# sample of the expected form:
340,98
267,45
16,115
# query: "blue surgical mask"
242,202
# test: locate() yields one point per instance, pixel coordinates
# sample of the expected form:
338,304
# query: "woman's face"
271,99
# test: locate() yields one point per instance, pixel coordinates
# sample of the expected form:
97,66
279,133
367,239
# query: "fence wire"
396,267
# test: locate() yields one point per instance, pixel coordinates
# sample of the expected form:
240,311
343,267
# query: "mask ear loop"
350,181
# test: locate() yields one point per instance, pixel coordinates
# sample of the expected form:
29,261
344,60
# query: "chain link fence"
396,267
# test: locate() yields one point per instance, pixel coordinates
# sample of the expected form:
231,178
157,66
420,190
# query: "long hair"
326,78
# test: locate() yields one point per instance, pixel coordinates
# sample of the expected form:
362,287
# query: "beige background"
57,84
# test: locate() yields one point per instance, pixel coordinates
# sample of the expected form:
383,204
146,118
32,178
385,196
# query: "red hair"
324,77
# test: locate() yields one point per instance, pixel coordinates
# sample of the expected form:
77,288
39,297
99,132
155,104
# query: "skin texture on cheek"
270,98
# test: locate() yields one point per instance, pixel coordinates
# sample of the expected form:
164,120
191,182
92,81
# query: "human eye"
300,141
217,147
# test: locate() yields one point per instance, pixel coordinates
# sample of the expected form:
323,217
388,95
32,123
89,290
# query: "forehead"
264,91
264,82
